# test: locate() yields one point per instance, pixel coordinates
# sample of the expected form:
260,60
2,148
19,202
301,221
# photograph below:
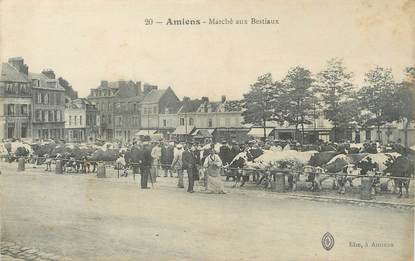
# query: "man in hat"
167,158
145,165
189,164
225,153
177,164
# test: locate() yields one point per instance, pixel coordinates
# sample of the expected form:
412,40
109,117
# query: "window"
75,120
39,98
52,98
43,116
135,107
46,101
23,109
80,120
210,123
70,120
24,130
191,121
155,110
38,115
10,109
10,130
51,116
181,121
58,99
164,123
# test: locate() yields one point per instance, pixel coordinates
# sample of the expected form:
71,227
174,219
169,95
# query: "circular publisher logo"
327,241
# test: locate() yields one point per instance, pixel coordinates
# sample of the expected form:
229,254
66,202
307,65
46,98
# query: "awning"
183,130
145,132
259,132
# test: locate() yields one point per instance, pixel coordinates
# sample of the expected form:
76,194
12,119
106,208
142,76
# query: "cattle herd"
390,168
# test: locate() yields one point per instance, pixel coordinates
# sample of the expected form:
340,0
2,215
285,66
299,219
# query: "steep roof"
190,106
10,74
154,96
174,107
43,80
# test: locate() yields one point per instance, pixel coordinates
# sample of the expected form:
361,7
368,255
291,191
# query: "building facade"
108,95
223,119
48,119
81,121
15,100
127,118
158,110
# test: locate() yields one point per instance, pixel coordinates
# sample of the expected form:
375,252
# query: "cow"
314,175
401,170
237,168
345,168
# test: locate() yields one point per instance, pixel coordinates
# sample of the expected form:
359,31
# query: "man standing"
225,153
177,164
189,164
145,166
166,158
156,155
136,156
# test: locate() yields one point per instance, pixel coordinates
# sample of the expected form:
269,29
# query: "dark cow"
401,170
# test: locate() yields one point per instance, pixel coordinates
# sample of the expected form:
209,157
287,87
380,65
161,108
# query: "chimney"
205,99
49,73
138,88
186,99
18,63
104,83
223,99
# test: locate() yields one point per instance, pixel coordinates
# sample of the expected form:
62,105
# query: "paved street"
82,218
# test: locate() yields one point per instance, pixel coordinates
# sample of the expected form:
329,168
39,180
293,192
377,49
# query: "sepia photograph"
198,130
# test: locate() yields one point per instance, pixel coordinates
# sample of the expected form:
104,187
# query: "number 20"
148,21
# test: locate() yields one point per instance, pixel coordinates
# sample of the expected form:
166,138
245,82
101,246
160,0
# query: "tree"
261,102
300,99
378,97
334,84
405,95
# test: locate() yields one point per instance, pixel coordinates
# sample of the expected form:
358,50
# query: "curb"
359,202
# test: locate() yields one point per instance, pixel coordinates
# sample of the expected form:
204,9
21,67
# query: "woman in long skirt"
213,166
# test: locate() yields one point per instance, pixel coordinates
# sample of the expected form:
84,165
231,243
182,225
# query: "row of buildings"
38,106
33,104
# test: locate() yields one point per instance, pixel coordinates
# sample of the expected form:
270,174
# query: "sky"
86,41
